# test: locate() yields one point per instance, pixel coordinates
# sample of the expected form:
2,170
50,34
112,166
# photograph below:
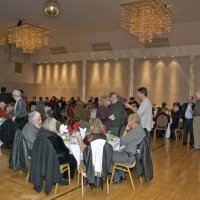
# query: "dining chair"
161,124
125,167
179,131
64,168
87,168
81,172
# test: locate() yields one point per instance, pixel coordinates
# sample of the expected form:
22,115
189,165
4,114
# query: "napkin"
82,132
63,129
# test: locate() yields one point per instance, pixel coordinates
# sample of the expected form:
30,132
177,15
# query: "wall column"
191,76
84,80
131,78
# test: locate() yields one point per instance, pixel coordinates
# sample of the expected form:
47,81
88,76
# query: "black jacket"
19,153
184,108
44,163
144,165
106,164
7,133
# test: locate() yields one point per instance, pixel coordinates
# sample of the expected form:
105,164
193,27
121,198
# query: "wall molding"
191,50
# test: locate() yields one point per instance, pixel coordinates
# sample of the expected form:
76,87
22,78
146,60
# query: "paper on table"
82,132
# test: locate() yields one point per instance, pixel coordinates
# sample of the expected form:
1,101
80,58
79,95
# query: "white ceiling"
82,22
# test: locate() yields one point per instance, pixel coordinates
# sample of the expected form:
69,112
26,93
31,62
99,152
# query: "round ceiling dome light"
51,8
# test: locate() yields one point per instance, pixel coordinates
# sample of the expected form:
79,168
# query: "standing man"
187,119
118,115
144,110
20,114
196,123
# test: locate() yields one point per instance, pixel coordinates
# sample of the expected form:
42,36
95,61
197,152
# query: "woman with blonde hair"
96,131
103,112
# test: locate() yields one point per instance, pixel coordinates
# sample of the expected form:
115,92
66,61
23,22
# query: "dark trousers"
148,135
188,128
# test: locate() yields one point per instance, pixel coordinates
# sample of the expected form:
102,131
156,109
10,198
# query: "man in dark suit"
187,119
20,115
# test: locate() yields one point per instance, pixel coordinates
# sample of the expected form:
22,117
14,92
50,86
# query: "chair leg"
82,183
69,174
56,188
154,134
27,177
141,179
176,136
113,172
78,181
108,189
131,178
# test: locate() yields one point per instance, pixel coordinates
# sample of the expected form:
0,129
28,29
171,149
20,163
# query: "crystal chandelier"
3,39
28,37
146,19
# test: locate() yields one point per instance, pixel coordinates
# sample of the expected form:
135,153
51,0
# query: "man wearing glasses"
118,115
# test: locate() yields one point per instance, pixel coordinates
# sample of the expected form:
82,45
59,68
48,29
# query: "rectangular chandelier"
146,19
3,39
28,37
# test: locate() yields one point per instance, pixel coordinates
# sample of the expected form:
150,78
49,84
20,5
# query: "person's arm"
127,136
134,109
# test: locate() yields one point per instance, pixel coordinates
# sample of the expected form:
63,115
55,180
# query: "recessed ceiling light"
145,57
172,56
115,58
104,59
45,62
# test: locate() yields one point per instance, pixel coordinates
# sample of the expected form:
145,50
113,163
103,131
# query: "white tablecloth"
76,151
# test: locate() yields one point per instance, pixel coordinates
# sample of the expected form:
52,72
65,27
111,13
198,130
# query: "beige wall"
166,79
102,77
62,79
196,74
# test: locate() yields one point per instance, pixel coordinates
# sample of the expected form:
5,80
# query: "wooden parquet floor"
176,177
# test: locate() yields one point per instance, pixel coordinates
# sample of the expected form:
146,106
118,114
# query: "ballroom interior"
90,54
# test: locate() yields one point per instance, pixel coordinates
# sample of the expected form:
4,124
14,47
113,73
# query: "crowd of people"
112,112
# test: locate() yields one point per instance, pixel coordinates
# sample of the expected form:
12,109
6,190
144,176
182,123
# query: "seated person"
175,117
32,128
9,111
2,109
132,136
96,132
164,112
49,126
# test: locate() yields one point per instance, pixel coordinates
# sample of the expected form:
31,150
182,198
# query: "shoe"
123,178
116,181
197,149
191,144
64,181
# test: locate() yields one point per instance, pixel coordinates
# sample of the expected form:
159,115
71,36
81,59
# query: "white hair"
33,116
17,93
49,124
